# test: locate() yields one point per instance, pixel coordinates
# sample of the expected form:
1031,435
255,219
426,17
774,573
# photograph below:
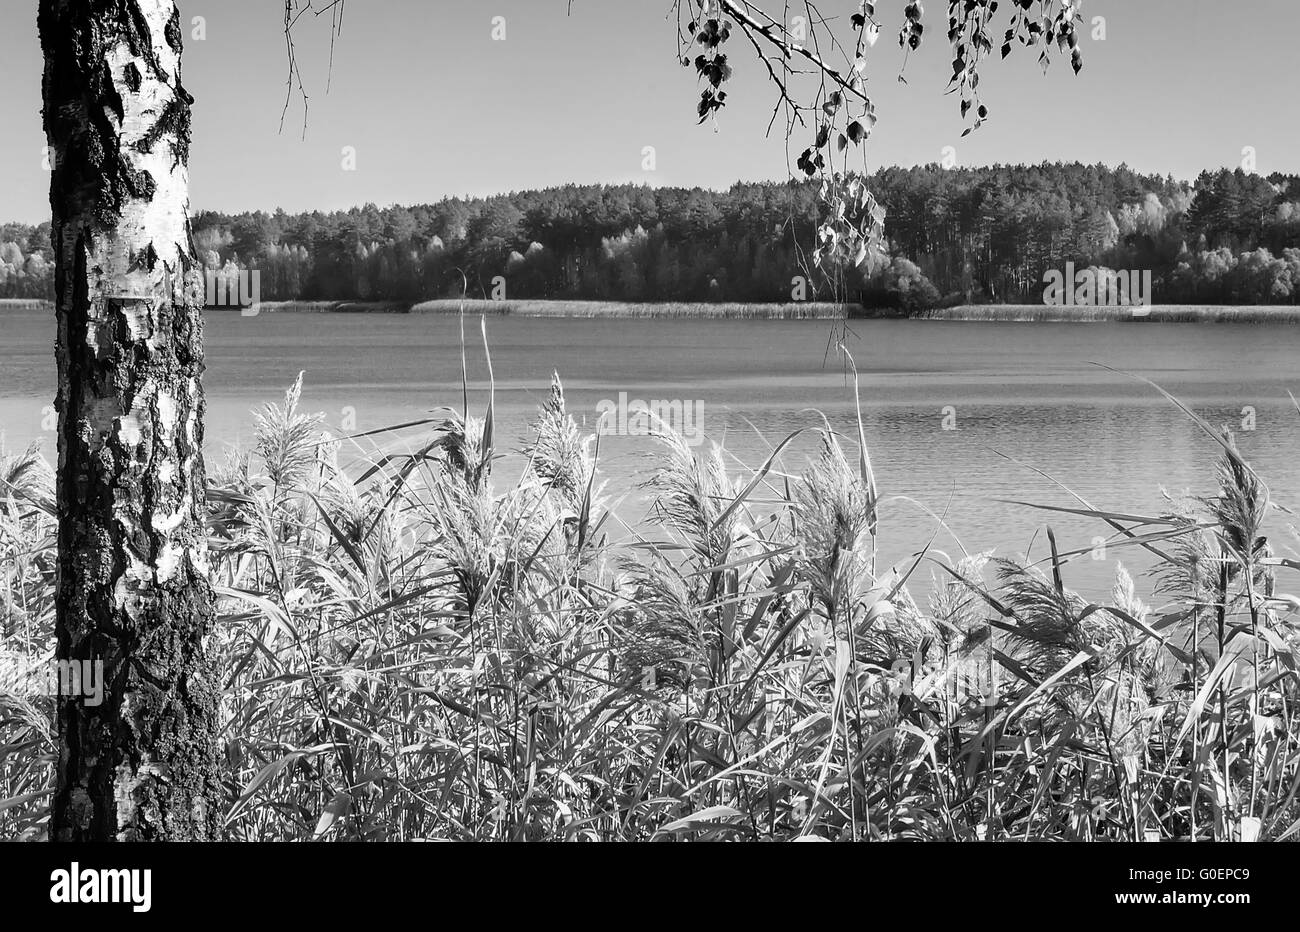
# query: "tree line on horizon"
984,235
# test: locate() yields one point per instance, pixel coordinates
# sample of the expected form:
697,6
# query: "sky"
434,106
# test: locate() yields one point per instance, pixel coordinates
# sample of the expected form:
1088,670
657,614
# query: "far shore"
804,310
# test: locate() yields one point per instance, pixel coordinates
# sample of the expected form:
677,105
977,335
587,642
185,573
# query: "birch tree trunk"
133,589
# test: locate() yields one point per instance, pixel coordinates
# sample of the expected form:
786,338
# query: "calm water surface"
1025,391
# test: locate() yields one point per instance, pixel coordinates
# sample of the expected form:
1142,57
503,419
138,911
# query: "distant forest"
962,234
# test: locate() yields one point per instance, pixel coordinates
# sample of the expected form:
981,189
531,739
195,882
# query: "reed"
411,652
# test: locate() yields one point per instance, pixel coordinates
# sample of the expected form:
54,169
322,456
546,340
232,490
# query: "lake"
1023,390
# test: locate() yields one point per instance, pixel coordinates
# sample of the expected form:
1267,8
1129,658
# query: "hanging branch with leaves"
831,55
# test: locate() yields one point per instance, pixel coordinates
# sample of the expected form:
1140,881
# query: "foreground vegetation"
408,652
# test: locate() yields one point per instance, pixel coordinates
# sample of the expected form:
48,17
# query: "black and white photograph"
555,422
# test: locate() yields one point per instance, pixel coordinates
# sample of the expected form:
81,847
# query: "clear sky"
434,106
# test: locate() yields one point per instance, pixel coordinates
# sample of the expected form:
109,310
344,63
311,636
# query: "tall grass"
410,652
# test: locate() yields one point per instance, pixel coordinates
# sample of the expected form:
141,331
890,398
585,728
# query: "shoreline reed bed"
1154,314
409,652
809,310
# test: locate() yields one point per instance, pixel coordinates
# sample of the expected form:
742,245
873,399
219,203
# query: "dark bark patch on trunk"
173,32
131,74
112,99
126,19
172,125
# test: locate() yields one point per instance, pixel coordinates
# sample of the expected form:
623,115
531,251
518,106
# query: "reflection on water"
1026,392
